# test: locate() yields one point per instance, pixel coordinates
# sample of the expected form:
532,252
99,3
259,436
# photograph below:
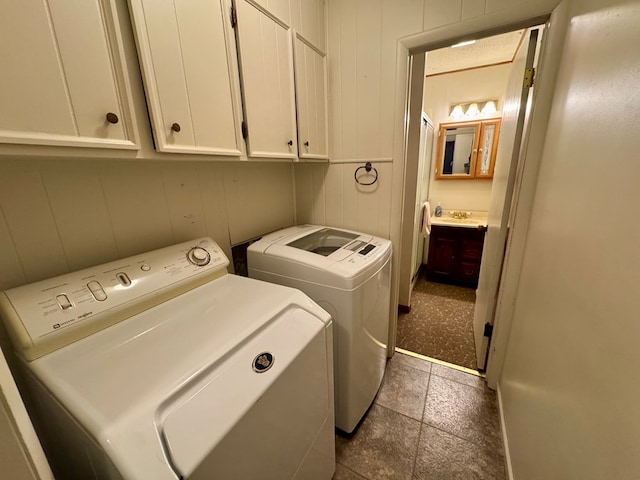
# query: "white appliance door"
242,423
513,120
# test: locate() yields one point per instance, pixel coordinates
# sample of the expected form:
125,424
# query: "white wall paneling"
328,194
266,64
188,58
258,199
59,216
63,72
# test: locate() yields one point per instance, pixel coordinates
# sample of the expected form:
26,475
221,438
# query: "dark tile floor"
428,422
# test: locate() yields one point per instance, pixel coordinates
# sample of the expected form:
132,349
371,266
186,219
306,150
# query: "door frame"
508,19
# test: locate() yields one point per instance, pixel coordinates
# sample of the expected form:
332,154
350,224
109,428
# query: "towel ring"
367,166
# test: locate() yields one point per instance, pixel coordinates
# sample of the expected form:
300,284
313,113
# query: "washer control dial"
198,256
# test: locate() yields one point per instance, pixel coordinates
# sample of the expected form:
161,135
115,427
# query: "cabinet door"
278,8
487,148
266,64
187,55
308,20
443,259
63,80
311,101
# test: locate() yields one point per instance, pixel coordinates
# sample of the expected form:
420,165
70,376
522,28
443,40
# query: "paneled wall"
63,215
361,68
329,195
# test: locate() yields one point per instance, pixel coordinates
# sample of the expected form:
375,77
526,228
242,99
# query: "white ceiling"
486,51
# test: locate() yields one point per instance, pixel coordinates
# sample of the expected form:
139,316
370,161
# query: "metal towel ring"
367,166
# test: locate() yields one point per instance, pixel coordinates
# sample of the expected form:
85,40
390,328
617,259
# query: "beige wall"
442,91
569,386
58,215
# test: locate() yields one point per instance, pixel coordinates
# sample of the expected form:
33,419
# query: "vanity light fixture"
472,110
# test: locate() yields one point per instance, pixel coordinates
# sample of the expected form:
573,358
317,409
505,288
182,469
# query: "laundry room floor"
428,422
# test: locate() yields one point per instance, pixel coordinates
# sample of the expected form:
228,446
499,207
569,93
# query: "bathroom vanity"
455,250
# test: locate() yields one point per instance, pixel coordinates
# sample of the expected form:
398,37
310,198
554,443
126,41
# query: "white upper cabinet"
277,8
189,65
266,65
63,80
311,101
308,20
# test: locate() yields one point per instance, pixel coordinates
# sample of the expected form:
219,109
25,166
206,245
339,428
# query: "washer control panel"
44,311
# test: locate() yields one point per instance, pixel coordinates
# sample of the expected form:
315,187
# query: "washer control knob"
198,256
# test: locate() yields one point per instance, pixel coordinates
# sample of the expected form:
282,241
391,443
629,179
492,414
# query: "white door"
424,171
513,119
266,66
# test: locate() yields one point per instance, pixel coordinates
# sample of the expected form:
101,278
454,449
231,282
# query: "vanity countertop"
475,219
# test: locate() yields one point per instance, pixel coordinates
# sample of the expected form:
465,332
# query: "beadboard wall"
329,195
361,69
64,215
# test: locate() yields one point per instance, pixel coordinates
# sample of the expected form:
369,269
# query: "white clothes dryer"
163,366
349,275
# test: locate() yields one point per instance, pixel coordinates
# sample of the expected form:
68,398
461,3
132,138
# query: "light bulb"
489,108
473,110
457,112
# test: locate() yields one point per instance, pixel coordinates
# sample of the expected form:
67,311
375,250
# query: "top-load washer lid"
324,241
132,384
334,257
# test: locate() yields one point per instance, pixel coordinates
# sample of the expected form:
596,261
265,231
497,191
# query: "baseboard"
505,441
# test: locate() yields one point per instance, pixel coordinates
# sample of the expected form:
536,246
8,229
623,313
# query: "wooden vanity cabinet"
455,254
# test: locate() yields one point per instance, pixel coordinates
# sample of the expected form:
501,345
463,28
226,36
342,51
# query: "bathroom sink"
469,222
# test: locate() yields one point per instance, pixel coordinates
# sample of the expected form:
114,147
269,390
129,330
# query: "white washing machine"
349,275
163,366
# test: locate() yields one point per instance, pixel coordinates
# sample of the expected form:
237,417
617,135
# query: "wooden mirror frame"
474,167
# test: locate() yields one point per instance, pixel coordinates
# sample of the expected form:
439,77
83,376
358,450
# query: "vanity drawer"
471,249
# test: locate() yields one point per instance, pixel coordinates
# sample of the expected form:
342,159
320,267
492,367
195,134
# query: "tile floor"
428,422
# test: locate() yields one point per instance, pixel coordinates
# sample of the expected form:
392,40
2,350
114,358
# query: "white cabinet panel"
308,20
266,64
278,8
189,66
311,101
62,75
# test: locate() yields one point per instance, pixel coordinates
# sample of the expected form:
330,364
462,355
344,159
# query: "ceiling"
486,51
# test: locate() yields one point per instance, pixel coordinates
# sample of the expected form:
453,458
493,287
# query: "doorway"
464,86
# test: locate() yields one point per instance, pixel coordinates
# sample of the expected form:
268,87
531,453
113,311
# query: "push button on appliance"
64,302
97,291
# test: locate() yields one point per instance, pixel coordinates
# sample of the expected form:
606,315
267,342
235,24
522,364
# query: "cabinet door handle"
112,118
306,144
175,127
290,143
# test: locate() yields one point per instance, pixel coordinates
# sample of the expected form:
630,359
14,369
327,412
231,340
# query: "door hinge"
488,330
234,17
245,130
529,74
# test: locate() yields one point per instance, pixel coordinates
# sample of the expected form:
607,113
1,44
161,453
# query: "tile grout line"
424,407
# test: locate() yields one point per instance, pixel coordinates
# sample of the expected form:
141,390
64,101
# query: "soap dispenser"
438,211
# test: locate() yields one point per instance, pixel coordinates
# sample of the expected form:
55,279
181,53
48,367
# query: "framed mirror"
467,150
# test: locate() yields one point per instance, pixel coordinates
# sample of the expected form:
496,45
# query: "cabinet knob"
290,143
306,144
112,118
175,127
